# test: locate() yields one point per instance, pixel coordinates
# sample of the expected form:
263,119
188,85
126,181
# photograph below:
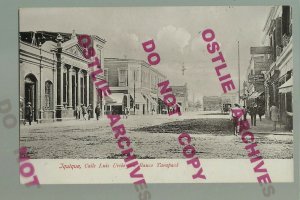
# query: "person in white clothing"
274,113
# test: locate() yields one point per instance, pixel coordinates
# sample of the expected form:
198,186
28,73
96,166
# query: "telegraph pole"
134,91
239,71
183,69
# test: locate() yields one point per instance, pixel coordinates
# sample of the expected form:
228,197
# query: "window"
48,95
137,106
105,74
288,75
122,77
289,102
286,20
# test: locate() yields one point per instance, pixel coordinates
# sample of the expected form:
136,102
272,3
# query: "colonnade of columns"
80,87
77,82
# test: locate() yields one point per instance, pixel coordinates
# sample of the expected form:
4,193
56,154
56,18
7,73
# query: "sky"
176,32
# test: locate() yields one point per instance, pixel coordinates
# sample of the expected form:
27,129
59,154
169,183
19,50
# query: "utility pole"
193,97
239,70
134,91
183,69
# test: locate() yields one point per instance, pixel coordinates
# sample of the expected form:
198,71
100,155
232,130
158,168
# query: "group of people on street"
81,112
86,112
253,111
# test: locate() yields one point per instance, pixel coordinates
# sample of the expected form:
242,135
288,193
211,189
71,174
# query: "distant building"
133,84
181,94
230,98
212,103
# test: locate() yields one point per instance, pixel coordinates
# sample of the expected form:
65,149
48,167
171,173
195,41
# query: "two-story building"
279,77
274,66
212,103
181,94
255,81
133,84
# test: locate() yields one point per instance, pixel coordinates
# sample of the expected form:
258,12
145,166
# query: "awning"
114,99
259,93
139,99
151,99
287,86
253,95
153,95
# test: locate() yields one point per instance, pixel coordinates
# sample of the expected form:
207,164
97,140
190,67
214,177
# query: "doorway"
30,94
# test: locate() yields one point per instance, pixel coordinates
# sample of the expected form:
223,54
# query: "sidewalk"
265,126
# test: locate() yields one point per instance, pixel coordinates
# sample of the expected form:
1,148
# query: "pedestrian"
260,111
98,111
253,113
234,118
89,111
28,113
126,112
170,110
179,109
78,111
245,112
83,111
152,111
274,113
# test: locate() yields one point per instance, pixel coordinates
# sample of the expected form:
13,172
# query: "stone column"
87,88
70,106
54,70
83,87
75,87
78,87
59,91
59,106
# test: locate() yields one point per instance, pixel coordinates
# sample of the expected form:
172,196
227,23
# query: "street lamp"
59,105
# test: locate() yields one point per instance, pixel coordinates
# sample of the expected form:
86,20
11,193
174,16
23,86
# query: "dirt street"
153,136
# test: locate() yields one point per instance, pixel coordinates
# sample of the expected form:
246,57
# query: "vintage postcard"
156,95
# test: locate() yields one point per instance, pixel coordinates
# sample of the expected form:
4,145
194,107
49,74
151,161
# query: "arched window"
48,95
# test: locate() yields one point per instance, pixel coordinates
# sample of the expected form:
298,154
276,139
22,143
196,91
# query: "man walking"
235,119
253,113
28,113
126,112
84,111
260,111
78,111
98,111
89,110
245,112
274,112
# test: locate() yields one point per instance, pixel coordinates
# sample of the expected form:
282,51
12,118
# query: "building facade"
212,103
279,77
255,81
181,94
54,75
230,98
276,64
134,86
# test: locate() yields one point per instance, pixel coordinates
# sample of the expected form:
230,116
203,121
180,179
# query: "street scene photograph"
216,59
